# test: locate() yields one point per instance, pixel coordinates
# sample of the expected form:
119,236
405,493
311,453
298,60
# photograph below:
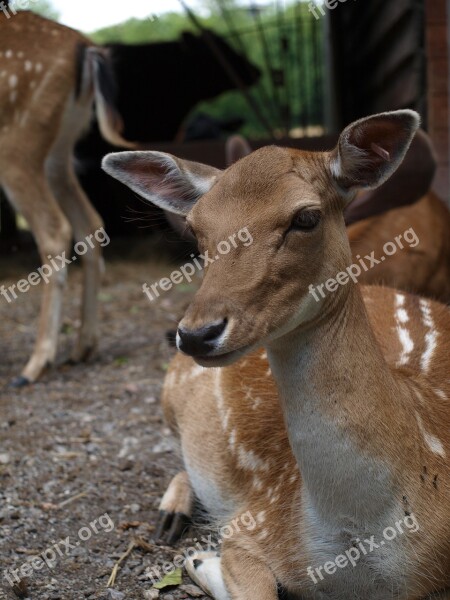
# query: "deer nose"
202,341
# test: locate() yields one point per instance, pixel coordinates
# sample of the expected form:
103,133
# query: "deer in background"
351,435
49,77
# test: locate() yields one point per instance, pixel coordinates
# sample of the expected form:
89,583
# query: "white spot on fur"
431,335
38,67
257,483
256,403
404,336
232,439
433,443
441,394
402,315
13,80
20,54
223,413
8,54
248,460
28,65
261,516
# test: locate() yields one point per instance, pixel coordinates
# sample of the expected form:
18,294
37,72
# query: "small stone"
151,594
192,590
132,389
4,458
115,595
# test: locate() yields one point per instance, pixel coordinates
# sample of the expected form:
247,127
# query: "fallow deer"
351,435
49,77
423,269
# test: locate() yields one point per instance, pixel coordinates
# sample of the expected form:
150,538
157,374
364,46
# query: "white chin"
222,360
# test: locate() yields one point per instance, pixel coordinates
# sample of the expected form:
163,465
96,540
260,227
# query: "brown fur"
46,98
362,397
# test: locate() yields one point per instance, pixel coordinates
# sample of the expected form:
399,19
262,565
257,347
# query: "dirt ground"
89,440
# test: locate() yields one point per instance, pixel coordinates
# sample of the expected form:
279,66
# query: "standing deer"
49,77
351,436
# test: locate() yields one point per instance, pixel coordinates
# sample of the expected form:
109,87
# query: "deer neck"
332,379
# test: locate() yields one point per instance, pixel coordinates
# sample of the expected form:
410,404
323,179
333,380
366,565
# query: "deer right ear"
236,148
371,150
171,183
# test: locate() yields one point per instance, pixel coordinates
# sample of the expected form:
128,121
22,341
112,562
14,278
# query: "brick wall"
437,25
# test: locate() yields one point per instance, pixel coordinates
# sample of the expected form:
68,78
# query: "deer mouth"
221,360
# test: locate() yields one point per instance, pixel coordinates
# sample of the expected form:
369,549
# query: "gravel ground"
89,440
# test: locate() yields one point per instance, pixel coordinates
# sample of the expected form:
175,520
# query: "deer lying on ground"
49,77
421,269
351,436
381,215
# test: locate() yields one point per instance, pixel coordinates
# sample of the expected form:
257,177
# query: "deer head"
292,204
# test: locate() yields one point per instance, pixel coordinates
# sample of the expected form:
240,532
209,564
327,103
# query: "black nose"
200,342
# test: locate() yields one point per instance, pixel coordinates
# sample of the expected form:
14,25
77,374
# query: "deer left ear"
171,183
371,150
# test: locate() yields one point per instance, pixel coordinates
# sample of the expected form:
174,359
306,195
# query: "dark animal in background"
158,86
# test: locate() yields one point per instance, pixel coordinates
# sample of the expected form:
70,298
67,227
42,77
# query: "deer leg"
205,570
85,223
31,195
175,510
237,573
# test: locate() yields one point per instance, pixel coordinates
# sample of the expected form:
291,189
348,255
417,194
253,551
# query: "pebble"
115,595
151,594
192,590
4,458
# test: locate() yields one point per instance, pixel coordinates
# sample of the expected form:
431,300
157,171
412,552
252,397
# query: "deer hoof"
171,526
19,382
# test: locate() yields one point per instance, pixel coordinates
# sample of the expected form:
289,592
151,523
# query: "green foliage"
290,40
46,9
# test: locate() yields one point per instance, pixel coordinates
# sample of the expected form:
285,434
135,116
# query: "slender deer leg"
176,508
206,571
236,574
85,223
52,233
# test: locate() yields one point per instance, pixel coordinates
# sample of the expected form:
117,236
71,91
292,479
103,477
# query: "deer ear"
236,148
171,183
370,150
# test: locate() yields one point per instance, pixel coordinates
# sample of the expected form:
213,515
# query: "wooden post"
437,47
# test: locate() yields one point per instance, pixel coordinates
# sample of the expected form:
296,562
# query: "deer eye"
306,220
